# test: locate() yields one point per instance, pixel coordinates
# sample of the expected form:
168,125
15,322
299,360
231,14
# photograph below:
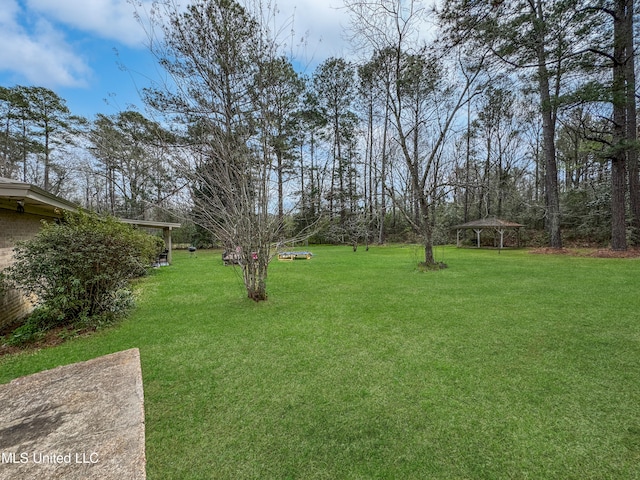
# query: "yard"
504,365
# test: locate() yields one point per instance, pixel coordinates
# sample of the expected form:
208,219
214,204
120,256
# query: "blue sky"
78,48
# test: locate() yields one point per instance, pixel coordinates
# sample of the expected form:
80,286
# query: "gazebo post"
478,232
495,224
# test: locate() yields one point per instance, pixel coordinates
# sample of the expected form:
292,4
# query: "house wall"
14,227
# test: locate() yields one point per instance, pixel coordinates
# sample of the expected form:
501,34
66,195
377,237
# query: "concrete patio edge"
79,421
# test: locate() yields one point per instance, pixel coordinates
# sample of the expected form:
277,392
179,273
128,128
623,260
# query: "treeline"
113,163
522,110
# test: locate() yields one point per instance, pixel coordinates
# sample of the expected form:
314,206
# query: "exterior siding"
14,227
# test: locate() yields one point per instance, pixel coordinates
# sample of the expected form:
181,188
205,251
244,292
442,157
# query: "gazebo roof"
489,223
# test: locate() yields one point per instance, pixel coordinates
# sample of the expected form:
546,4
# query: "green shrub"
24,334
78,270
35,327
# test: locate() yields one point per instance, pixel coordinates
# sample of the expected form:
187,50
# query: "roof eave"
25,191
151,223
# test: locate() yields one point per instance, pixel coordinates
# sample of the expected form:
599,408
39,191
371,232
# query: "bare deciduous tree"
216,53
421,102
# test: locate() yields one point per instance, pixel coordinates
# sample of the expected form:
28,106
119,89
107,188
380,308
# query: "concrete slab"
81,421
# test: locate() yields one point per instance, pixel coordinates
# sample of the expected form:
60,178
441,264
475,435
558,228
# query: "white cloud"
41,38
40,55
8,12
325,23
320,23
109,19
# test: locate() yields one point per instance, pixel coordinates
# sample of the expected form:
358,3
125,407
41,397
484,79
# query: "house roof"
489,223
33,199
38,201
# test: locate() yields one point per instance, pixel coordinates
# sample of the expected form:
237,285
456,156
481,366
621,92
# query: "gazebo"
495,224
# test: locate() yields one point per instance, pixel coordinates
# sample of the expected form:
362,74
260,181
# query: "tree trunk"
383,174
303,194
24,150
484,202
618,189
280,174
618,155
254,271
427,232
631,125
552,197
47,185
467,166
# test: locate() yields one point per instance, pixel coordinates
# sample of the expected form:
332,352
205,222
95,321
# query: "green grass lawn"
503,366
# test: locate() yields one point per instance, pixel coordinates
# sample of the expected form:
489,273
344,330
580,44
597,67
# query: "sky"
93,53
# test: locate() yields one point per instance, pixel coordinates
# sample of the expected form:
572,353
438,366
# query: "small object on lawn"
162,260
234,258
294,255
192,249
230,258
